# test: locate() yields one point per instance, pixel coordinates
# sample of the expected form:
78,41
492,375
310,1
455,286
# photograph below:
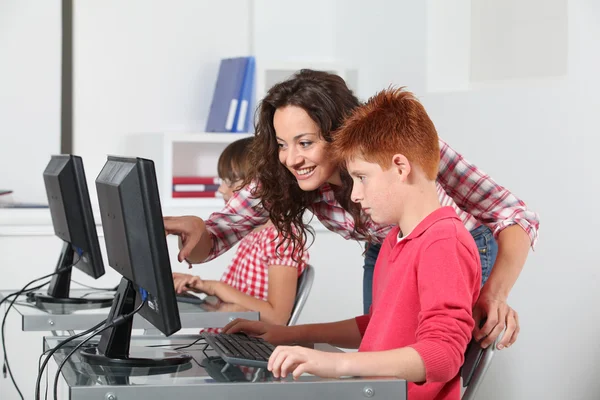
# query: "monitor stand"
113,349
60,285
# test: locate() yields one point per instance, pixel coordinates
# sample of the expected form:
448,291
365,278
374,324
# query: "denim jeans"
488,250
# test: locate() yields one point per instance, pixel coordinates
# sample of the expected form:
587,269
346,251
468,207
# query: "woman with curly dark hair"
292,172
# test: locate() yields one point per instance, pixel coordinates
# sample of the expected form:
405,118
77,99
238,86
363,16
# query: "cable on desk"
54,350
112,289
116,322
189,345
15,295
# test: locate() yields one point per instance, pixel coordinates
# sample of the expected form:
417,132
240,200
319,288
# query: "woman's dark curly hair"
328,101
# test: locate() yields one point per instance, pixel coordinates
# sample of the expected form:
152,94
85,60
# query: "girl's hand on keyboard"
186,282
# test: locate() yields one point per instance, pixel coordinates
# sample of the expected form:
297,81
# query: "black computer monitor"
137,249
73,221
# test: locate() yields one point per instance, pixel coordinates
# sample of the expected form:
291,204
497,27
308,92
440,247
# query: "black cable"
26,291
189,345
6,365
54,350
117,321
112,289
39,366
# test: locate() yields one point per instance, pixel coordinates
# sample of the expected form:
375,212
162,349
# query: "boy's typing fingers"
290,363
282,361
275,360
300,369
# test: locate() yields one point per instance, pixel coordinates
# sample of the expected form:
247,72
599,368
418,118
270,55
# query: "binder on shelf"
196,180
196,195
243,116
226,96
191,187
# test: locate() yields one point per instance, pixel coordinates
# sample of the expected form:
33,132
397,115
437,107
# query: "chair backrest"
305,282
477,362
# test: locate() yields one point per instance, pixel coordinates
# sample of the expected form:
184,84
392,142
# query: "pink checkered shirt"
475,196
249,269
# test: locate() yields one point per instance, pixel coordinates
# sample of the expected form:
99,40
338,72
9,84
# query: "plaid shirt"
249,269
475,196
248,272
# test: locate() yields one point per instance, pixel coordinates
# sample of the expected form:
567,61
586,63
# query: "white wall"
293,32
147,66
538,140
384,41
448,45
30,54
516,39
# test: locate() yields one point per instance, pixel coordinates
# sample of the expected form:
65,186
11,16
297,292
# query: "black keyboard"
240,349
215,366
189,298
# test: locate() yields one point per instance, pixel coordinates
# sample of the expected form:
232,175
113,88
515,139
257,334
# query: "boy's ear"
401,165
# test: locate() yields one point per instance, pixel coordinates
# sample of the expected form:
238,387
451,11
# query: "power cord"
15,295
117,321
39,366
95,288
54,350
189,345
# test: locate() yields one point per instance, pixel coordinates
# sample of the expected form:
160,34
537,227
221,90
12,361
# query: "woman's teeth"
305,171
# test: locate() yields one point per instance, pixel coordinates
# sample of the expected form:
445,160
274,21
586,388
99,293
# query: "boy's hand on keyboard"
274,334
298,360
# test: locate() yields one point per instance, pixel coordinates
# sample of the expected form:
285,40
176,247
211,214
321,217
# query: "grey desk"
57,317
202,379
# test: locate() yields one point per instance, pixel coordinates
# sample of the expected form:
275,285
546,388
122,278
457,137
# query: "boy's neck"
421,202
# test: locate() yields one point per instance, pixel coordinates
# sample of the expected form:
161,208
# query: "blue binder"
243,116
226,97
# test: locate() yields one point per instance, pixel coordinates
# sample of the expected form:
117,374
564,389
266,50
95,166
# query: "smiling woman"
304,154
291,156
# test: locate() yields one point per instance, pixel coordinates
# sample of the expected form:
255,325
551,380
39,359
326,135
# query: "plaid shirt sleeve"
240,216
285,255
477,194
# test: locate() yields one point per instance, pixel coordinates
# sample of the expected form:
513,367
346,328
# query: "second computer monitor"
137,249
73,222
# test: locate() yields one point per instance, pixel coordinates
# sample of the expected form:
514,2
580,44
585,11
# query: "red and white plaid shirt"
249,269
475,196
248,272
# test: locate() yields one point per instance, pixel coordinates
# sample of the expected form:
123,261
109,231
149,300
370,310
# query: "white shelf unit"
182,154
268,73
